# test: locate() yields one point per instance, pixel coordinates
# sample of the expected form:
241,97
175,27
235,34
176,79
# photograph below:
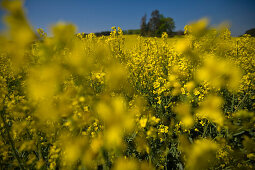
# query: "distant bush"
251,32
104,33
133,31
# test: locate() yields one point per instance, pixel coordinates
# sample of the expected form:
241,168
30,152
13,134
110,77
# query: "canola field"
75,101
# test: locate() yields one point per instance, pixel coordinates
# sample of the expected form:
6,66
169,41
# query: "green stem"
232,108
205,129
16,154
237,107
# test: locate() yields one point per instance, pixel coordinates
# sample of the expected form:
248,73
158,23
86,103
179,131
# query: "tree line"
156,25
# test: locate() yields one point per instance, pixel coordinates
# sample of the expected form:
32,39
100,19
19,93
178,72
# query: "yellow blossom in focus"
143,122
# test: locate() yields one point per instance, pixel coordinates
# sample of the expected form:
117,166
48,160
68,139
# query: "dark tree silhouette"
144,26
251,32
157,25
154,23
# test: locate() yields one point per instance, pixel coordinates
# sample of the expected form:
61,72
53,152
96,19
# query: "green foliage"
251,32
133,31
157,25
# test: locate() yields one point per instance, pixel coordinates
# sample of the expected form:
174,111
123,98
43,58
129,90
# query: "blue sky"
101,15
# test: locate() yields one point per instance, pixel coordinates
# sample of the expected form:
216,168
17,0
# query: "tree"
157,25
154,23
144,26
166,25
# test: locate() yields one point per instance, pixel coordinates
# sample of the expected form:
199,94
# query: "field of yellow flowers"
75,101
